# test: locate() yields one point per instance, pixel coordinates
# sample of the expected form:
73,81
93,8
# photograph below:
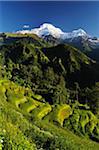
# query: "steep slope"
73,63
68,54
46,70
39,128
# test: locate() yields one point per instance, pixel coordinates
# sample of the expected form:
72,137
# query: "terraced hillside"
24,115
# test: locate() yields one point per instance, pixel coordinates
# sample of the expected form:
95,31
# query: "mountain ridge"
77,38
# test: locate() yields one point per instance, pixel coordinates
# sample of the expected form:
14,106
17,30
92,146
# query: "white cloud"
26,26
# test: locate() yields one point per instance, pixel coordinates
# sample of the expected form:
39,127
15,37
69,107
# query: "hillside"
49,96
24,115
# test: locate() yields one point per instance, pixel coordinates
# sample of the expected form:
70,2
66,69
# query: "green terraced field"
44,116
43,111
29,105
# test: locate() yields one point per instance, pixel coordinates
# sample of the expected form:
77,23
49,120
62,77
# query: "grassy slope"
16,123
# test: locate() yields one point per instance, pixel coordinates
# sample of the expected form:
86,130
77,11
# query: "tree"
77,89
87,93
3,35
61,94
94,98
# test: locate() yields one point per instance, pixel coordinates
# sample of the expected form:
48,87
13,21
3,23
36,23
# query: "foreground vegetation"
44,125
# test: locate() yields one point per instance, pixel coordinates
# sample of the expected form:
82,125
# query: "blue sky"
65,15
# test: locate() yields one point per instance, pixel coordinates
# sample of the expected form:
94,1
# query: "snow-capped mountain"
44,30
94,41
47,29
77,38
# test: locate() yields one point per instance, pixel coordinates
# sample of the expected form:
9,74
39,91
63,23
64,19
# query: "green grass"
64,111
30,123
43,111
60,113
83,123
29,105
66,140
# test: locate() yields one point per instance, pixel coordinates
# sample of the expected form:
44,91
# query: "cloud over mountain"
26,26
